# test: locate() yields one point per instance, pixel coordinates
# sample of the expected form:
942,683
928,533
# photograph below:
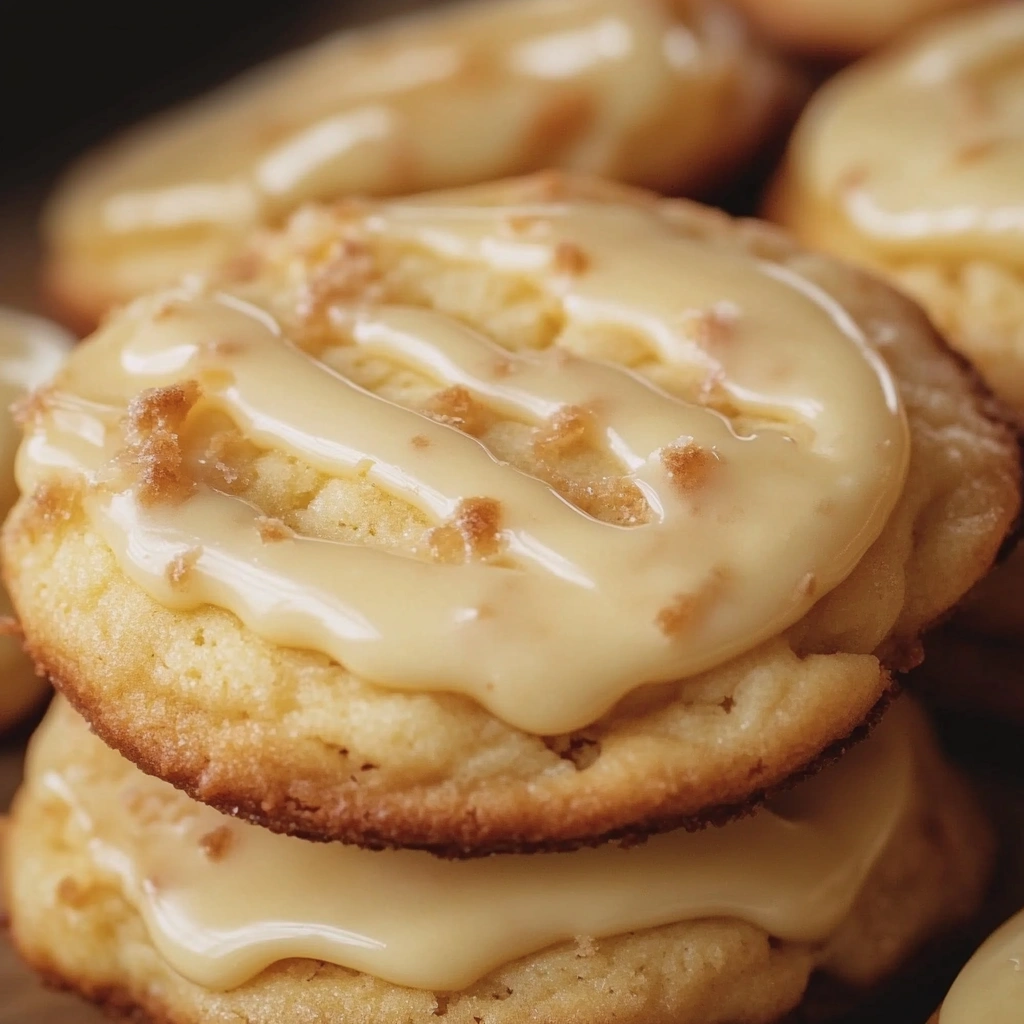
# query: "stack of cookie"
492,604
476,602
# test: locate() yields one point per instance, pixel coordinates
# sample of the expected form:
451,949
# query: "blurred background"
72,73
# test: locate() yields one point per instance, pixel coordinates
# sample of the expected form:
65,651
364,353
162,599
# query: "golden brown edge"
347,816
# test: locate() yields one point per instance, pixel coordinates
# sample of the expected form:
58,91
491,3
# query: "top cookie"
670,94
839,28
516,517
912,162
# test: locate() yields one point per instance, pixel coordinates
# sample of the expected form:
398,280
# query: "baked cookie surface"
912,164
293,740
669,94
76,921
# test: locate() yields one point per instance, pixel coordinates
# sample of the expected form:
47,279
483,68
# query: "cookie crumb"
677,614
272,530
456,407
474,532
349,272
153,454
180,567
479,522
569,258
570,429
216,844
689,465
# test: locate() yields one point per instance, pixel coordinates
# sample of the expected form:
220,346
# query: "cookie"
912,164
116,884
833,29
669,94
520,517
990,988
31,349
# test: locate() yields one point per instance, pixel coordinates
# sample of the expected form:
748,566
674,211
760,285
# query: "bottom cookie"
82,919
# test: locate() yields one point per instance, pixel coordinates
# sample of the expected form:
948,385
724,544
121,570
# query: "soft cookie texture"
839,28
912,164
72,921
294,741
669,94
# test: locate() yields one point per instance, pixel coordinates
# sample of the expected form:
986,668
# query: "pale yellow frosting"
222,899
750,519
990,989
31,350
920,152
655,92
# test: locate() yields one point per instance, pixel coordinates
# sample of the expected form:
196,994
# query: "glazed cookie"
519,517
670,94
912,163
116,884
991,987
839,28
30,352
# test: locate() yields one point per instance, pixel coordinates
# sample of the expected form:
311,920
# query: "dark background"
71,72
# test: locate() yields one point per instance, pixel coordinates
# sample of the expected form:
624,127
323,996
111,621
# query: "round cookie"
838,28
669,94
291,739
912,163
74,920
31,350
